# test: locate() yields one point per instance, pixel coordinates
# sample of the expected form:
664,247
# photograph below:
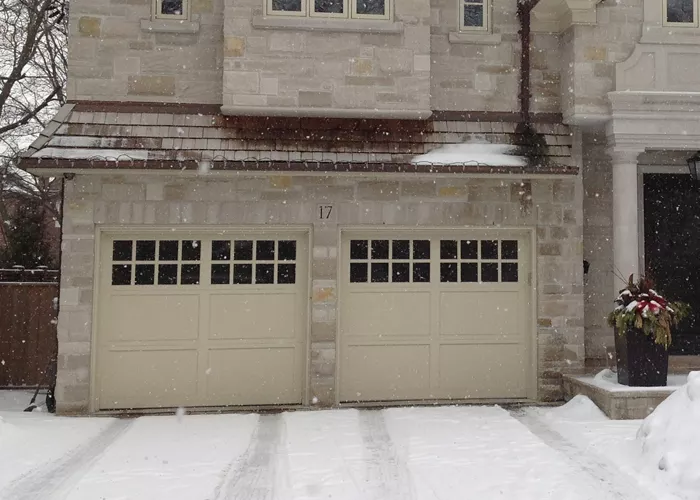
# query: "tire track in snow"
254,475
388,477
54,480
613,481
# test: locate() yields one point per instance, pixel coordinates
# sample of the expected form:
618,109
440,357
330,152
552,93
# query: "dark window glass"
358,273
264,274
287,250
371,7
171,7
680,11
358,249
243,250
265,250
167,274
448,249
191,250
189,274
380,249
473,16
243,274
400,272
286,5
421,249
121,274
328,6
448,273
489,249
380,273
146,250
221,250
286,273
167,250
469,272
421,273
220,274
121,250
509,272
489,273
145,274
509,249
470,249
401,249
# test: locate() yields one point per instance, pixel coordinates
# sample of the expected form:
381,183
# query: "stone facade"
552,206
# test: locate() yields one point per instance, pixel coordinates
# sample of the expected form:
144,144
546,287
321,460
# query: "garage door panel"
253,376
133,318
377,373
387,314
479,313
148,379
253,316
481,371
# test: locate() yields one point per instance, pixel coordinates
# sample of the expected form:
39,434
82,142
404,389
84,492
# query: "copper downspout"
524,16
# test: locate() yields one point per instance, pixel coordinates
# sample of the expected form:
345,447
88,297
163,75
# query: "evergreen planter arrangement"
643,320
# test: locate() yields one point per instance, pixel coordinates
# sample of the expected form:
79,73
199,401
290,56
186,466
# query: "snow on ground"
473,153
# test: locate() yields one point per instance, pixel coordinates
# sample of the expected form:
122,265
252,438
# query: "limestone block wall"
550,206
114,54
277,62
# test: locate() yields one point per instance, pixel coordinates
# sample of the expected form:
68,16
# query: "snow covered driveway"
440,453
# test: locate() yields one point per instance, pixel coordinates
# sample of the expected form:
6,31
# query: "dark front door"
672,248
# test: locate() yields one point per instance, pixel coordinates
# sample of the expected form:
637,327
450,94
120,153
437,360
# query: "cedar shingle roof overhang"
137,137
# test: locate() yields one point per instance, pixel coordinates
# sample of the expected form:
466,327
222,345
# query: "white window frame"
486,4
349,11
666,22
157,9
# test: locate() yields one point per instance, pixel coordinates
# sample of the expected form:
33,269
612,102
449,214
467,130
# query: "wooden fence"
28,343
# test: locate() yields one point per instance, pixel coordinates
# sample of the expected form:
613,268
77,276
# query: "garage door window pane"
287,250
243,250
264,274
121,274
358,249
191,250
242,274
221,250
401,249
448,273
189,274
470,249
146,250
448,249
121,250
380,249
286,5
286,274
400,272
489,273
145,274
489,249
509,249
470,272
371,7
509,273
380,273
220,274
167,250
167,274
358,273
421,273
421,249
265,250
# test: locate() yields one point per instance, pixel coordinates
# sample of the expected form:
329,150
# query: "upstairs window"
355,9
680,13
171,9
474,15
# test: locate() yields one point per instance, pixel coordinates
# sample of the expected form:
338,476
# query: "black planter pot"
641,362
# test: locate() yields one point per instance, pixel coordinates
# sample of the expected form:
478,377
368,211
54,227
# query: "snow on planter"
473,153
670,439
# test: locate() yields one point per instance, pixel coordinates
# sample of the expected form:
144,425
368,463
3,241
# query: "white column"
626,255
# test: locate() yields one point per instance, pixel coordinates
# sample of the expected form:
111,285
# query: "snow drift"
670,439
579,408
473,153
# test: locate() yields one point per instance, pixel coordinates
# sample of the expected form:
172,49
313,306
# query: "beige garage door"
435,315
201,319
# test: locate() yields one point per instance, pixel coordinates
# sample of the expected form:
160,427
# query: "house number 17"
325,212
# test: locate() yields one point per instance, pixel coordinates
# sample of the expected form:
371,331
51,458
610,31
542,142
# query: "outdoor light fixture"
694,166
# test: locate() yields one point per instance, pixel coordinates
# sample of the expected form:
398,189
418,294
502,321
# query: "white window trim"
487,16
349,11
694,24
166,17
